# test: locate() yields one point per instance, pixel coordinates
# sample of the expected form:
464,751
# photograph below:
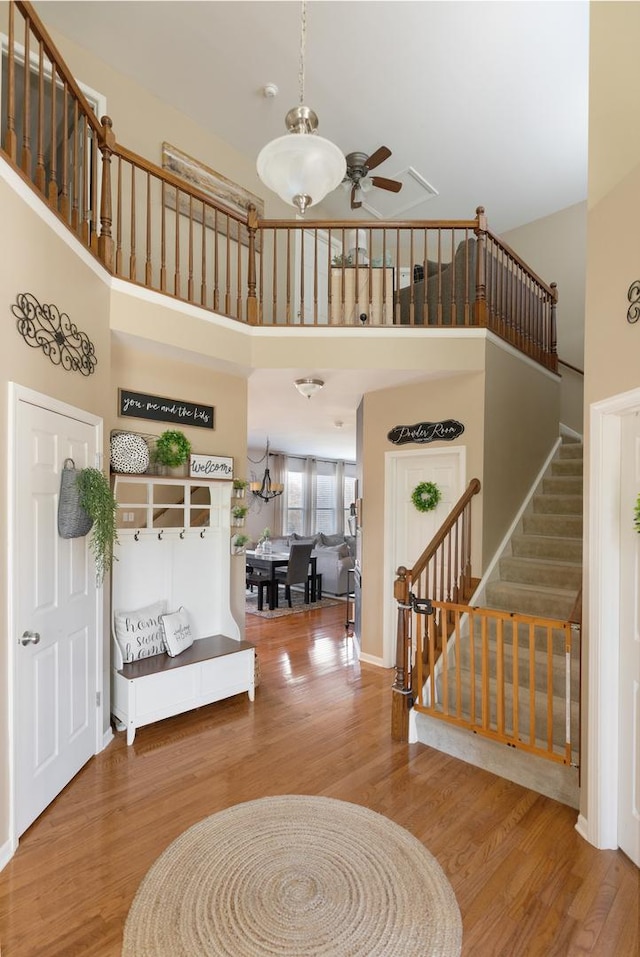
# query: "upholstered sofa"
335,556
436,286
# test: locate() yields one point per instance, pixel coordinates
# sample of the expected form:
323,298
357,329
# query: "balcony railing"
150,227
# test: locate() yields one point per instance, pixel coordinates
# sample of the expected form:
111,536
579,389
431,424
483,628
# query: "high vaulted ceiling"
485,101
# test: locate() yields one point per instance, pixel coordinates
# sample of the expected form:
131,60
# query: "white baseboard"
7,850
373,660
107,738
582,827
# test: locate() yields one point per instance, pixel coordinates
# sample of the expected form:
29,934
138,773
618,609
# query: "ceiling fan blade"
354,203
383,183
378,157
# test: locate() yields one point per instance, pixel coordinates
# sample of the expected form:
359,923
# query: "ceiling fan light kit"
301,167
357,177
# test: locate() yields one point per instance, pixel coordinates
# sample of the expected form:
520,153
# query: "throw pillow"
306,540
176,630
331,539
139,632
340,551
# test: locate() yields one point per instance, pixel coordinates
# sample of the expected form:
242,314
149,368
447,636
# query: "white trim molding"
599,821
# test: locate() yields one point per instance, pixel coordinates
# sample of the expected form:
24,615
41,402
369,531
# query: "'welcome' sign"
139,405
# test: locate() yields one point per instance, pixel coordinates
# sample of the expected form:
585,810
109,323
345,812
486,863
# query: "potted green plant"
239,486
172,450
98,501
239,544
238,514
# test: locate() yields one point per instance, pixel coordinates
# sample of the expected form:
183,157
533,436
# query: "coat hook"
137,535
182,533
160,534
202,533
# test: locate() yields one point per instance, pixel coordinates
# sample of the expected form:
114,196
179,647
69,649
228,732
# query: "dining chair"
259,578
297,571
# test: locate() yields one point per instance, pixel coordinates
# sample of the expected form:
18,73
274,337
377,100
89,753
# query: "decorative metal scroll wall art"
633,312
45,327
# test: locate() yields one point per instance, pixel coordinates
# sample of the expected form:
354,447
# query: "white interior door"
408,531
629,698
55,623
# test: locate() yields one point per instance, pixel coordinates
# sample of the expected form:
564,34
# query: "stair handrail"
410,604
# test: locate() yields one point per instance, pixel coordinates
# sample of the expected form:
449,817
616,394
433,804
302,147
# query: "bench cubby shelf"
174,545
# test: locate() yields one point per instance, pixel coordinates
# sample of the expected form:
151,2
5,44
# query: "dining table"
271,562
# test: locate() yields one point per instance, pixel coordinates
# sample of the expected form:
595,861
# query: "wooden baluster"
52,191
480,305
439,295
190,264
11,140
64,190
288,278
133,240
176,265
75,185
261,296
105,243
227,292
315,277
94,190
300,315
453,309
203,258
397,317
83,173
402,698
426,318
163,238
41,175
148,266
238,270
119,218
216,252
274,278
25,161
252,302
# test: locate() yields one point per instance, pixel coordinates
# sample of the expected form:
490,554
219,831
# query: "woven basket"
73,521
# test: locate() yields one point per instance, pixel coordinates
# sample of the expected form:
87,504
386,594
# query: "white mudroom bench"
174,546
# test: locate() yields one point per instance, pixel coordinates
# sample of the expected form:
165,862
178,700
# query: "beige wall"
455,397
556,249
35,260
521,423
612,345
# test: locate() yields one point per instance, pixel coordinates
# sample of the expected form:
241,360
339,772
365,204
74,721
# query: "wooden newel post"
402,698
105,241
480,304
552,330
252,301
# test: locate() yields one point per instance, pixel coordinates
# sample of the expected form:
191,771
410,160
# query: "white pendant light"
301,167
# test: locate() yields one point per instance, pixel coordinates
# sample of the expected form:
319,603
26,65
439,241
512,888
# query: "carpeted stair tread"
563,526
539,600
562,485
573,467
551,547
571,450
557,504
540,571
540,665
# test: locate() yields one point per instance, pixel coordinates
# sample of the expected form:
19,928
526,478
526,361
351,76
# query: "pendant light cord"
303,43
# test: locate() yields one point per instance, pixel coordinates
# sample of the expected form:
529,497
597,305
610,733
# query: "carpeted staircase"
540,574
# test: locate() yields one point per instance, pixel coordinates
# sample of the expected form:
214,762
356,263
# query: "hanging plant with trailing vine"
426,496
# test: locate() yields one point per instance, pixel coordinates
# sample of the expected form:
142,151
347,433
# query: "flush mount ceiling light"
308,387
301,167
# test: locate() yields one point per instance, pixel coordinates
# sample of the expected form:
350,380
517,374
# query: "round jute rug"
295,876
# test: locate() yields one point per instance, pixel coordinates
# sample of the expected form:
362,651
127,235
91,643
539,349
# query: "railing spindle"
11,141
41,176
25,162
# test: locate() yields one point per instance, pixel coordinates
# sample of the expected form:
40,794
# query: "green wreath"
426,496
636,515
173,448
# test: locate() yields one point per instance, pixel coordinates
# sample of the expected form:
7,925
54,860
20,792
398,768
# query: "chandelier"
301,167
266,490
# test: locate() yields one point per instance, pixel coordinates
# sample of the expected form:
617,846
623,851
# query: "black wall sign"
139,405
422,432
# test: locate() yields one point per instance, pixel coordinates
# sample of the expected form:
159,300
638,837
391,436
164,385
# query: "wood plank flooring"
527,884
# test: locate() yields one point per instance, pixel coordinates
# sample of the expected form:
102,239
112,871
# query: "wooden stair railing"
160,231
442,572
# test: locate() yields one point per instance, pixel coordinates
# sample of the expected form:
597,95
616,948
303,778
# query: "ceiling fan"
359,166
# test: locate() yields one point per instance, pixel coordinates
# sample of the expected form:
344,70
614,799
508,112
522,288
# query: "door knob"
30,637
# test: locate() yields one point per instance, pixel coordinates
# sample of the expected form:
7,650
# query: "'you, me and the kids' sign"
139,405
